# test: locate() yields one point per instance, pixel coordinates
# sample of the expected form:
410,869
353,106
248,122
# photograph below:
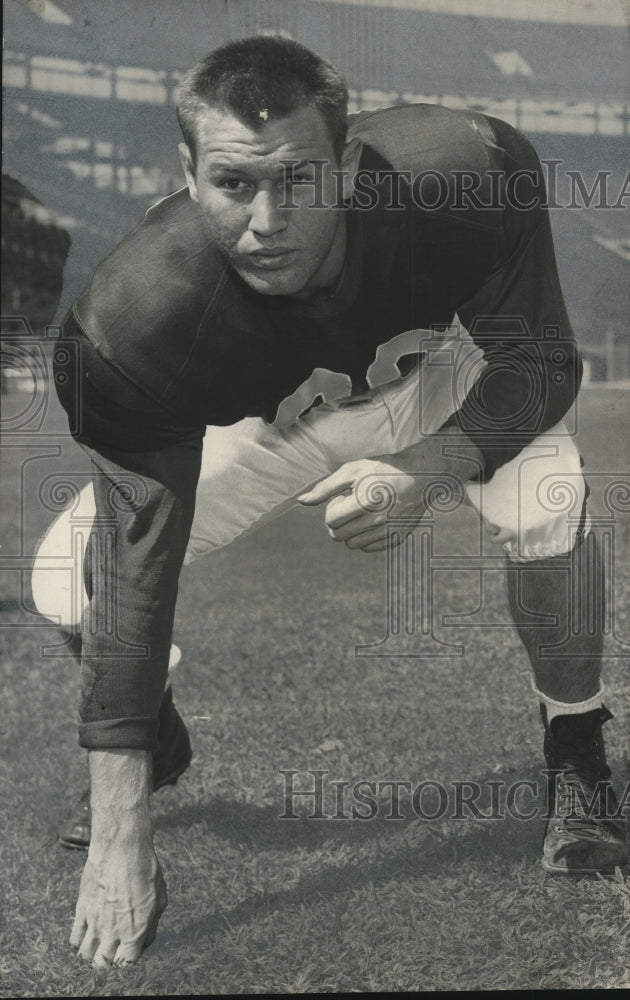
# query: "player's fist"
362,498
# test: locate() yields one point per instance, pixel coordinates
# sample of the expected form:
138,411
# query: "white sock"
569,707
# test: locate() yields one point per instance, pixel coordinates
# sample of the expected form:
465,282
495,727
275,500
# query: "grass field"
270,682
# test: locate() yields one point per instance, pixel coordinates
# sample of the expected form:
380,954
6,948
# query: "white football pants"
252,472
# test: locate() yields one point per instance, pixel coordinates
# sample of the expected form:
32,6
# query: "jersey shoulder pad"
145,304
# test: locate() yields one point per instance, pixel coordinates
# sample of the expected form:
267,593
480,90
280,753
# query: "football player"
354,307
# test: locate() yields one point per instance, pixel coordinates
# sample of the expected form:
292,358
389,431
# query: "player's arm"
144,509
519,319
144,502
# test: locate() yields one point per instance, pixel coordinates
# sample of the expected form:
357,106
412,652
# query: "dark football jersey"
447,220
168,327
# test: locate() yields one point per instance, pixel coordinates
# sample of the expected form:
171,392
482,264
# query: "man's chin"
280,282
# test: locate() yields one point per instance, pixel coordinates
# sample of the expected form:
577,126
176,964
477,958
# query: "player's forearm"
120,782
449,452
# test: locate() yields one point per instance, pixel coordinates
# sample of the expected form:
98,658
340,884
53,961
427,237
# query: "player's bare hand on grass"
122,893
363,495
121,899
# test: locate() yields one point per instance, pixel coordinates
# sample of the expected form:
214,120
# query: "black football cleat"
169,763
585,832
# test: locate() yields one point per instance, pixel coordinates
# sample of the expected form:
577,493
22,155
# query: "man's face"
240,185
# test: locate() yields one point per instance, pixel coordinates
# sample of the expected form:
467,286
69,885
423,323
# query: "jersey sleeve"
519,319
144,489
144,510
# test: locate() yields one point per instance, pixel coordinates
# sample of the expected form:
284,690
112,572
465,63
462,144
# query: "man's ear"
350,158
189,170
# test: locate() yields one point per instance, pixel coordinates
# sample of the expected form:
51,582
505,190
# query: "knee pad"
534,506
57,581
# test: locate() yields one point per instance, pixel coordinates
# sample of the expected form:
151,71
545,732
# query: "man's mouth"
270,259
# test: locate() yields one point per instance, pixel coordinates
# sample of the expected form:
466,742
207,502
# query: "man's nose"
266,219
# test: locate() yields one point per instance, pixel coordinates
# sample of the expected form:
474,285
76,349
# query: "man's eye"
298,179
232,184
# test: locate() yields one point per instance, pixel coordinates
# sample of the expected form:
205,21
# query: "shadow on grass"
439,857
439,850
261,827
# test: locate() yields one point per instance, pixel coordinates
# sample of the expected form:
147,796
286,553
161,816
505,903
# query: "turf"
270,682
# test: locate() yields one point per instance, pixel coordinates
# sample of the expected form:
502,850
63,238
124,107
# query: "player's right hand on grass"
122,893
121,899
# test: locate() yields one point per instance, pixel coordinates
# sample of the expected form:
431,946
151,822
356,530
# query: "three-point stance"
305,296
